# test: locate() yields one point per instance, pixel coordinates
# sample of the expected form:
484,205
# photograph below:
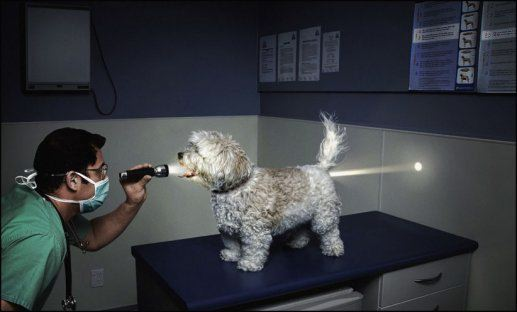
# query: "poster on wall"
330,54
309,50
434,50
287,43
267,59
497,48
467,44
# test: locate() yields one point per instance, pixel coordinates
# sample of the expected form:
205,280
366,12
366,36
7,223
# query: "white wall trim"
271,117
123,119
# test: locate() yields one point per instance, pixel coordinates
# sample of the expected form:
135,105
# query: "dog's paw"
229,255
250,266
333,250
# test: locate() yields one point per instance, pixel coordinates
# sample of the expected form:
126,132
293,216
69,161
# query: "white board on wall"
287,44
267,59
309,50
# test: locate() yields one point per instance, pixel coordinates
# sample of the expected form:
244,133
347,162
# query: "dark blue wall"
166,59
470,115
200,59
371,87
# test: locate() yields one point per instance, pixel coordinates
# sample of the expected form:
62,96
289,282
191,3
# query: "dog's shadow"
280,243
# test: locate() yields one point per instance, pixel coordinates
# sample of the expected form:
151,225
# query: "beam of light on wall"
374,170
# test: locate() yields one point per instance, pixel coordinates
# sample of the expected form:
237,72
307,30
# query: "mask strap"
28,180
93,182
63,200
85,177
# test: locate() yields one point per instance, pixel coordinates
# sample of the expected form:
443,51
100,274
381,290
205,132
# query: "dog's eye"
192,146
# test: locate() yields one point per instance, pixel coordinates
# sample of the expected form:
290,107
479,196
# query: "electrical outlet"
97,277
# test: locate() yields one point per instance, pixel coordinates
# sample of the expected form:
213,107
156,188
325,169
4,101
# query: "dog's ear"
233,176
238,173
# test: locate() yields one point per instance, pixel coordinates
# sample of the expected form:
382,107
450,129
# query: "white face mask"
92,203
85,205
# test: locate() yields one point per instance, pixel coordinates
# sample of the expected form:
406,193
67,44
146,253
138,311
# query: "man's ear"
72,181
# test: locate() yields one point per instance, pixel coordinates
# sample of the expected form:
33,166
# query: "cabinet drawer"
450,299
420,280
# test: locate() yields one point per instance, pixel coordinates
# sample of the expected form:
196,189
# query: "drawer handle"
428,281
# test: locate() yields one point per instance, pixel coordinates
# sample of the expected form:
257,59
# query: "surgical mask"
85,205
90,204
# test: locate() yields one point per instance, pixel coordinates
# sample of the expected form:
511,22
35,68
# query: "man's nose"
180,156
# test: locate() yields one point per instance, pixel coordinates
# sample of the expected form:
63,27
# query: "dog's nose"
180,156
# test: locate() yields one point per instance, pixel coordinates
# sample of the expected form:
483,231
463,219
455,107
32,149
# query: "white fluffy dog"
252,204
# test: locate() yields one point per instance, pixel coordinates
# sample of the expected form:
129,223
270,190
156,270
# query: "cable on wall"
109,76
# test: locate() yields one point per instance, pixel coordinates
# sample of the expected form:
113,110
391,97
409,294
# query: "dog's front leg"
255,249
232,250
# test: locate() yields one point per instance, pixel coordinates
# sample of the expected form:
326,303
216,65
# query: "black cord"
109,76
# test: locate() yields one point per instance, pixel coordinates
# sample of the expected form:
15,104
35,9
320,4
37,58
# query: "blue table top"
375,243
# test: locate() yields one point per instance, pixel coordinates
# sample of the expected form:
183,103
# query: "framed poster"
497,48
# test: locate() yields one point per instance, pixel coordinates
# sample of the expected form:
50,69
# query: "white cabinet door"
450,299
420,280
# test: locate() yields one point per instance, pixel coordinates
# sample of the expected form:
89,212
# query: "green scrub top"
33,246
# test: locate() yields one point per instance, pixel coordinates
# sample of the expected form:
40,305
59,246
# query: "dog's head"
215,161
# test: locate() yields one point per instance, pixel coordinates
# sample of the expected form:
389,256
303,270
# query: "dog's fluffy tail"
334,143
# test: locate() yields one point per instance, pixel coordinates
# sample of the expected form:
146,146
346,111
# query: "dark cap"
64,150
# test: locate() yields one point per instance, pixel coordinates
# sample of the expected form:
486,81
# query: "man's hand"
135,191
108,227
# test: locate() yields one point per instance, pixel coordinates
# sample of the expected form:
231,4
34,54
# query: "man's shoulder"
30,265
25,213
18,196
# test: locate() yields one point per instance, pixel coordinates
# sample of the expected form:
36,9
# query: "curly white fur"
252,204
333,144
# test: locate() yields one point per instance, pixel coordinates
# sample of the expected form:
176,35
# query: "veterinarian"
69,179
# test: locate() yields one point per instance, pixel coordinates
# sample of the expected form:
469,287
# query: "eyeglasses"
103,170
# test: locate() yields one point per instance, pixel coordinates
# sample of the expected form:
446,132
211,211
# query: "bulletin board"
463,46
374,45
431,46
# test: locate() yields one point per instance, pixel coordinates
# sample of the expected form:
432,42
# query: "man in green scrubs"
70,179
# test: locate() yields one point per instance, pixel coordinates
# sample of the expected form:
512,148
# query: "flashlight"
136,174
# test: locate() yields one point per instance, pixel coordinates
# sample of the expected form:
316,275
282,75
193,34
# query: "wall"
466,187
166,59
371,88
469,115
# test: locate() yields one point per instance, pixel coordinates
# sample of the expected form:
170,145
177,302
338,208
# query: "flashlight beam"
373,170
176,170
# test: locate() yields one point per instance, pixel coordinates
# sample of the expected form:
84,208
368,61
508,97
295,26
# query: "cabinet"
384,256
436,285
